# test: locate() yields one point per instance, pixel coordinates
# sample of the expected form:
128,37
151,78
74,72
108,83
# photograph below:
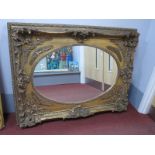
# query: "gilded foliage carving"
22,79
78,111
82,36
27,43
131,39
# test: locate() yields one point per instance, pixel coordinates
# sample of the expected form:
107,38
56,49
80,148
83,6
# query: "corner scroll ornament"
28,111
131,39
120,98
26,38
22,36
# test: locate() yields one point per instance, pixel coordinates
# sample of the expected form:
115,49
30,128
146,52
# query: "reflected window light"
96,59
110,63
97,54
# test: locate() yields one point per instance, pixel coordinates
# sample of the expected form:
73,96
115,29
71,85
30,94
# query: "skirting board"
152,112
149,94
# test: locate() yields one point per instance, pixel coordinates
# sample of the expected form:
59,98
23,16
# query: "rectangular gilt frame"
1,115
31,42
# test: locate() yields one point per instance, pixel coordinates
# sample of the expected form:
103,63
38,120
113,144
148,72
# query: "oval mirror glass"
75,74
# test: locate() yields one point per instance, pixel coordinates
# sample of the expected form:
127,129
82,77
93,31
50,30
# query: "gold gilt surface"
31,42
1,115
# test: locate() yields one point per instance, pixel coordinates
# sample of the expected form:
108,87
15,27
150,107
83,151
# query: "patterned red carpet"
68,92
130,122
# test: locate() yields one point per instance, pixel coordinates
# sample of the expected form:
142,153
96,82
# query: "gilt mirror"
67,71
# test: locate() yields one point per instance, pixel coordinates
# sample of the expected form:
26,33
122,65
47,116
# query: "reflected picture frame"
1,115
29,43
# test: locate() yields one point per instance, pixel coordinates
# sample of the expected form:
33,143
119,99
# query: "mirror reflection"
75,74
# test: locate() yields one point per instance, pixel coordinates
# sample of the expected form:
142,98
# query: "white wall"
144,56
78,55
148,57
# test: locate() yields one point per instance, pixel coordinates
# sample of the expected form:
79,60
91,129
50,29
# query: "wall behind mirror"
75,74
143,63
